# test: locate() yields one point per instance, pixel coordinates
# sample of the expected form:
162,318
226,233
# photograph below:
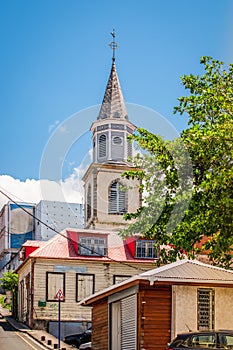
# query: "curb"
29,332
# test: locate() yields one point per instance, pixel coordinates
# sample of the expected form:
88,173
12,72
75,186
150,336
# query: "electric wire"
68,238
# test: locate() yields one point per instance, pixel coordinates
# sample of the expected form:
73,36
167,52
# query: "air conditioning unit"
22,255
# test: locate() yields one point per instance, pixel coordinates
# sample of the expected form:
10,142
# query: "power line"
68,238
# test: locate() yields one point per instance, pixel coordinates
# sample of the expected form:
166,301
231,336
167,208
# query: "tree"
183,206
9,281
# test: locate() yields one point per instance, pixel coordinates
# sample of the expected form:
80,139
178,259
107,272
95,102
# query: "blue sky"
55,61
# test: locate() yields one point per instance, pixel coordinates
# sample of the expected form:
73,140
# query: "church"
82,261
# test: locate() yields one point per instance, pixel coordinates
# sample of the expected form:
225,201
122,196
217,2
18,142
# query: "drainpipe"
32,293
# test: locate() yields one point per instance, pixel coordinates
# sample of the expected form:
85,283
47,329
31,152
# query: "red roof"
62,247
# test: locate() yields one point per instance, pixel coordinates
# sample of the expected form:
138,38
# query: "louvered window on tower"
129,148
117,199
102,146
89,202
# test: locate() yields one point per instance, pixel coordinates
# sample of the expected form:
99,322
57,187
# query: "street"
10,339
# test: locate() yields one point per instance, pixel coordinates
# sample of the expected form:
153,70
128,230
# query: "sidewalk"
44,338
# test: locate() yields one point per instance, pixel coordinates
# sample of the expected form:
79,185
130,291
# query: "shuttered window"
85,285
124,323
117,199
55,281
129,323
102,146
89,202
129,148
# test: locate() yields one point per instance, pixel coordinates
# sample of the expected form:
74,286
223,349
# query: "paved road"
13,340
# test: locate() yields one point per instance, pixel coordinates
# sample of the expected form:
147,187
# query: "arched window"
117,198
88,202
102,146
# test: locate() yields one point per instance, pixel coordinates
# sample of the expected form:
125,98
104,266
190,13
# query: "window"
85,285
117,199
55,281
92,246
117,140
204,341
205,305
145,249
119,278
129,148
102,146
88,202
226,340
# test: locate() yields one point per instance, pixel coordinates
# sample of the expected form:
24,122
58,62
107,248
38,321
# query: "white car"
86,346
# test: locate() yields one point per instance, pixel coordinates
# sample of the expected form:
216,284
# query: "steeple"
113,105
111,129
112,150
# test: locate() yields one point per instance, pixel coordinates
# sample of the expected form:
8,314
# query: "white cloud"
32,191
69,190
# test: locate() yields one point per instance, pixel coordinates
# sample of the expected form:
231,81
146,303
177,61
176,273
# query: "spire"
113,105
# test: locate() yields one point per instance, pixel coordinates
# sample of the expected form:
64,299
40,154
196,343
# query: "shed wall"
100,325
154,317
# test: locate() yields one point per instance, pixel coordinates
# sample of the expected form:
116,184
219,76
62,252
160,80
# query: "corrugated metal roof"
33,243
189,270
181,271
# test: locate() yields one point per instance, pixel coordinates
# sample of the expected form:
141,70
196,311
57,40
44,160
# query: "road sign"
60,295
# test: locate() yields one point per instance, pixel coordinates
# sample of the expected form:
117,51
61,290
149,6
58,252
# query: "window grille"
205,303
92,246
145,249
102,146
117,199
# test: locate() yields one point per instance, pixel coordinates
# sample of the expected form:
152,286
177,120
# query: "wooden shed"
146,311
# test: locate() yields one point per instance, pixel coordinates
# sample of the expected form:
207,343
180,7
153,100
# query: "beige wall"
105,175
184,308
104,180
70,310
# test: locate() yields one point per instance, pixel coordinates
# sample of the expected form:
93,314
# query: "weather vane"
113,45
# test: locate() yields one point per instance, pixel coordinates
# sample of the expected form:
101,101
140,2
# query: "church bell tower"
107,195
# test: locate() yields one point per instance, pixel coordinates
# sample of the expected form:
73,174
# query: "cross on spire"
113,44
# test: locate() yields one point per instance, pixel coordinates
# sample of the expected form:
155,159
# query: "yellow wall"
184,308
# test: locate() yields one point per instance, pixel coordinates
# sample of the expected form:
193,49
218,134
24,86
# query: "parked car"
78,339
86,346
203,340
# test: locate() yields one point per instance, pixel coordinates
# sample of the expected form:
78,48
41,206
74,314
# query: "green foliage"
181,206
4,305
9,281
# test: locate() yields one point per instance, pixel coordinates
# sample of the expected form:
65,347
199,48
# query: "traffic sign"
60,295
